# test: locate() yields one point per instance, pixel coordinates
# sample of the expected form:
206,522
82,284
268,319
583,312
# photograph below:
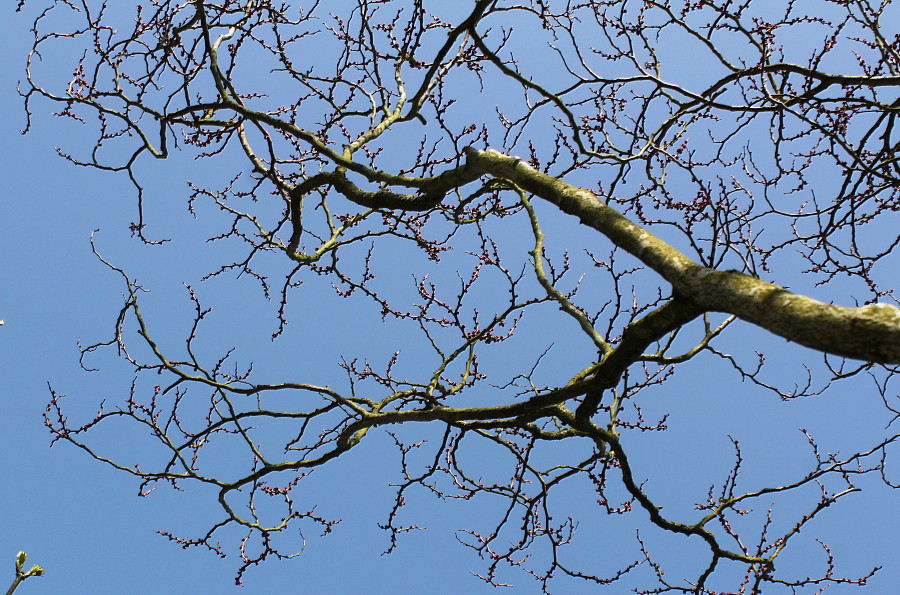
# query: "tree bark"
869,333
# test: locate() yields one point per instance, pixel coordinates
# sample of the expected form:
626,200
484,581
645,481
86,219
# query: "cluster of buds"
21,575
20,563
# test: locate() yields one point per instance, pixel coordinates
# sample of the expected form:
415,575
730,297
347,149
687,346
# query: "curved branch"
869,333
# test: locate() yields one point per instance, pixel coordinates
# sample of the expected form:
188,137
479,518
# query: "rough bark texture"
868,333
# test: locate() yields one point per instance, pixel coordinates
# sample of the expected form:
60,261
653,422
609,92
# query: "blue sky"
84,523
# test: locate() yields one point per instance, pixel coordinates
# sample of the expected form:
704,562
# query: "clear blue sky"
84,523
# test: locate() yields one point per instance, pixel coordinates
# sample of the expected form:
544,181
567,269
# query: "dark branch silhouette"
720,154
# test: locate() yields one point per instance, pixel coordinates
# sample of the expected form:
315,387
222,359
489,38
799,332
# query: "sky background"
84,523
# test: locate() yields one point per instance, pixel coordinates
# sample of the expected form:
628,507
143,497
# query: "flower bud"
20,559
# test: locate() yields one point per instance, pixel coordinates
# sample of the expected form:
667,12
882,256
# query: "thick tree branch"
869,333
